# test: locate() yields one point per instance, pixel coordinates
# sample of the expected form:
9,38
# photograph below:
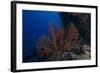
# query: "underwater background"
37,23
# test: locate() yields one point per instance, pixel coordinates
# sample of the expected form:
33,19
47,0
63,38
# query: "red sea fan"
57,41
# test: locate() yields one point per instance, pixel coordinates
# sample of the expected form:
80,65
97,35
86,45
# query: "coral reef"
62,45
68,40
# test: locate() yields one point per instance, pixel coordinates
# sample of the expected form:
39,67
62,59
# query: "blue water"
35,24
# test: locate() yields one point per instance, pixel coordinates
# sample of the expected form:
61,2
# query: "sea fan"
58,42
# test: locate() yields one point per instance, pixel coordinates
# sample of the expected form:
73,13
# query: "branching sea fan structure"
62,44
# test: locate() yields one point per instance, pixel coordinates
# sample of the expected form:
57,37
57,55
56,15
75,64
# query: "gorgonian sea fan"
60,40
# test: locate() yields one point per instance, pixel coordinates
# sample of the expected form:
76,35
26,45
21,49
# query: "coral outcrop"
62,45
